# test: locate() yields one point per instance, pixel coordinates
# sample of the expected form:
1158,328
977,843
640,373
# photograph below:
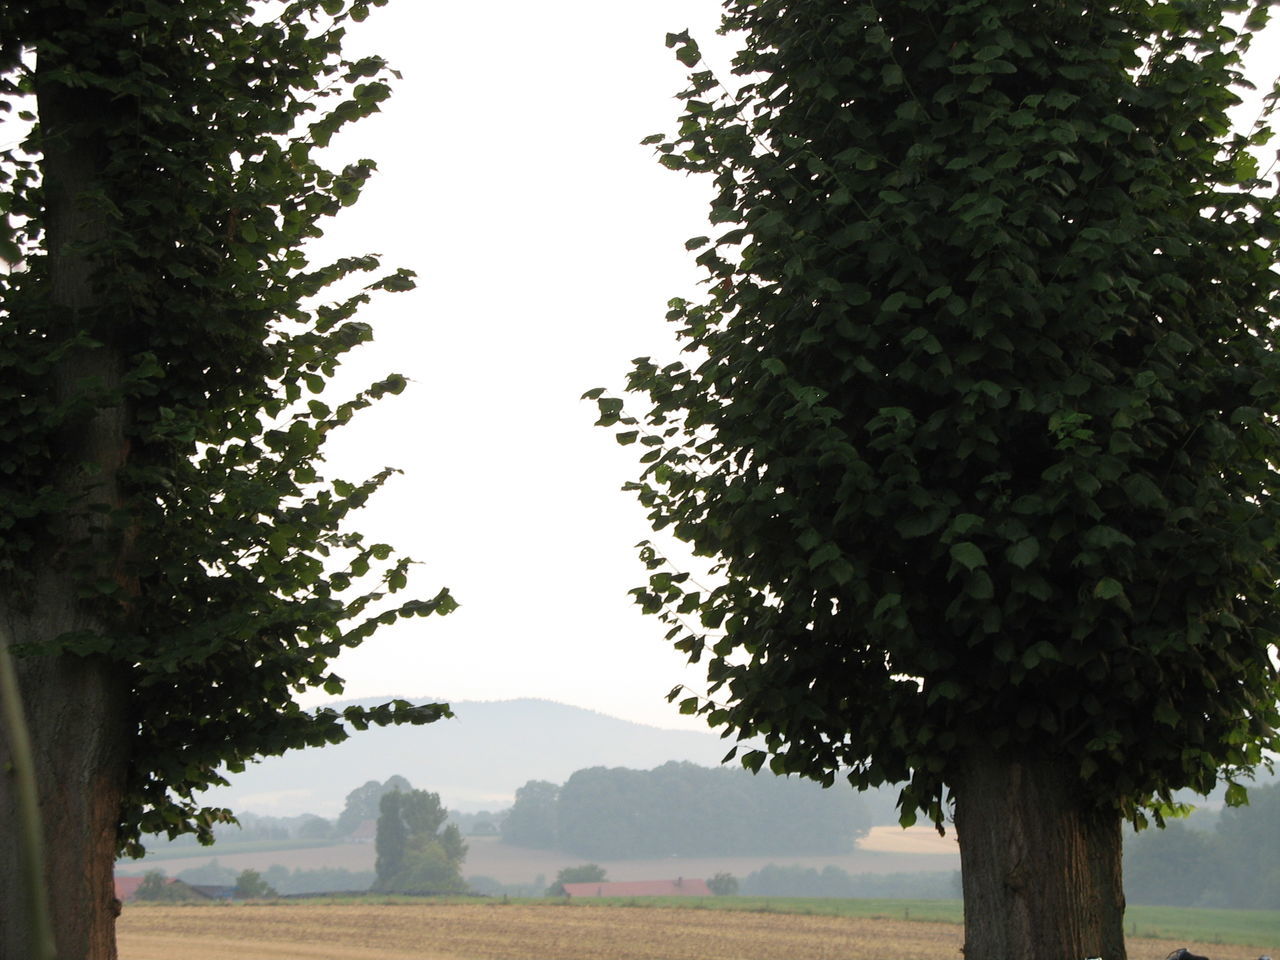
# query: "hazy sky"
547,242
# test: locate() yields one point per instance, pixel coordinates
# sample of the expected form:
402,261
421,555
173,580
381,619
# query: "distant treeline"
684,810
1235,865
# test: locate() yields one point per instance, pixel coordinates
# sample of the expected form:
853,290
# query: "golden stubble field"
492,931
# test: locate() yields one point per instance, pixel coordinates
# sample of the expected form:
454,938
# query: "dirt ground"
494,931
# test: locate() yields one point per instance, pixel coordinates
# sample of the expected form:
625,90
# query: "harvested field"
913,840
493,931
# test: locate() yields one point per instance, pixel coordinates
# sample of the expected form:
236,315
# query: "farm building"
679,887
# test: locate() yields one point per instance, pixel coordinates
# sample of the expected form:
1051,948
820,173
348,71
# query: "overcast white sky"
547,242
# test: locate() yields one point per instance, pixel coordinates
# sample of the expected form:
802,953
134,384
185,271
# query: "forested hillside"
681,809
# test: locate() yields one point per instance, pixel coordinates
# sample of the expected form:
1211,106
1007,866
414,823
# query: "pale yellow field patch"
910,840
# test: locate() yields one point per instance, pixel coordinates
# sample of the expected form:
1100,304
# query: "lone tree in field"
173,565
251,886
980,426
417,851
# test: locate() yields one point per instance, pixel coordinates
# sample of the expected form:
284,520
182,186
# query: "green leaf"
886,603
825,554
980,586
1023,553
968,555
1237,795
1108,588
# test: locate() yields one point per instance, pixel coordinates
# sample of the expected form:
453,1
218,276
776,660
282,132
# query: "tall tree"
363,803
415,855
533,820
981,425
392,840
173,566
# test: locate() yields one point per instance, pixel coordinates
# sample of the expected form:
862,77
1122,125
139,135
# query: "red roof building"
679,887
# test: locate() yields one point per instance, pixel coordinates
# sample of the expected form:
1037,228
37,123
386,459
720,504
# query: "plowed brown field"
499,932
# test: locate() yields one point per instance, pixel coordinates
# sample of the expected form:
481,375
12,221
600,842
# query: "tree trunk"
76,707
75,712
1040,865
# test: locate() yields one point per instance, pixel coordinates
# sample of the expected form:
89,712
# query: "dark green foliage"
681,809
251,886
585,873
415,855
723,884
228,577
979,425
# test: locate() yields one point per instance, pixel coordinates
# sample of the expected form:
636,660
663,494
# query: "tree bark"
1040,864
75,712
76,707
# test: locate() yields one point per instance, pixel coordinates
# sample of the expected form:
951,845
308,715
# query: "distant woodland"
1234,864
684,810
1227,858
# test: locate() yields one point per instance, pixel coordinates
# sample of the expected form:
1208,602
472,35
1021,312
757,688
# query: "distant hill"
475,762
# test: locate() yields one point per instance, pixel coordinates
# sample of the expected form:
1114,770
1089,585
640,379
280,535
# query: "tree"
723,884
364,802
414,855
532,821
173,565
584,873
1247,841
157,887
1173,867
251,886
315,828
980,428
392,839
682,809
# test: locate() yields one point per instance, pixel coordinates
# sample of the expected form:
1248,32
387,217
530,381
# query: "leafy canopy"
238,578
979,416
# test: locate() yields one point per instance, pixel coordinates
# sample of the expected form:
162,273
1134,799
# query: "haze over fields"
476,761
